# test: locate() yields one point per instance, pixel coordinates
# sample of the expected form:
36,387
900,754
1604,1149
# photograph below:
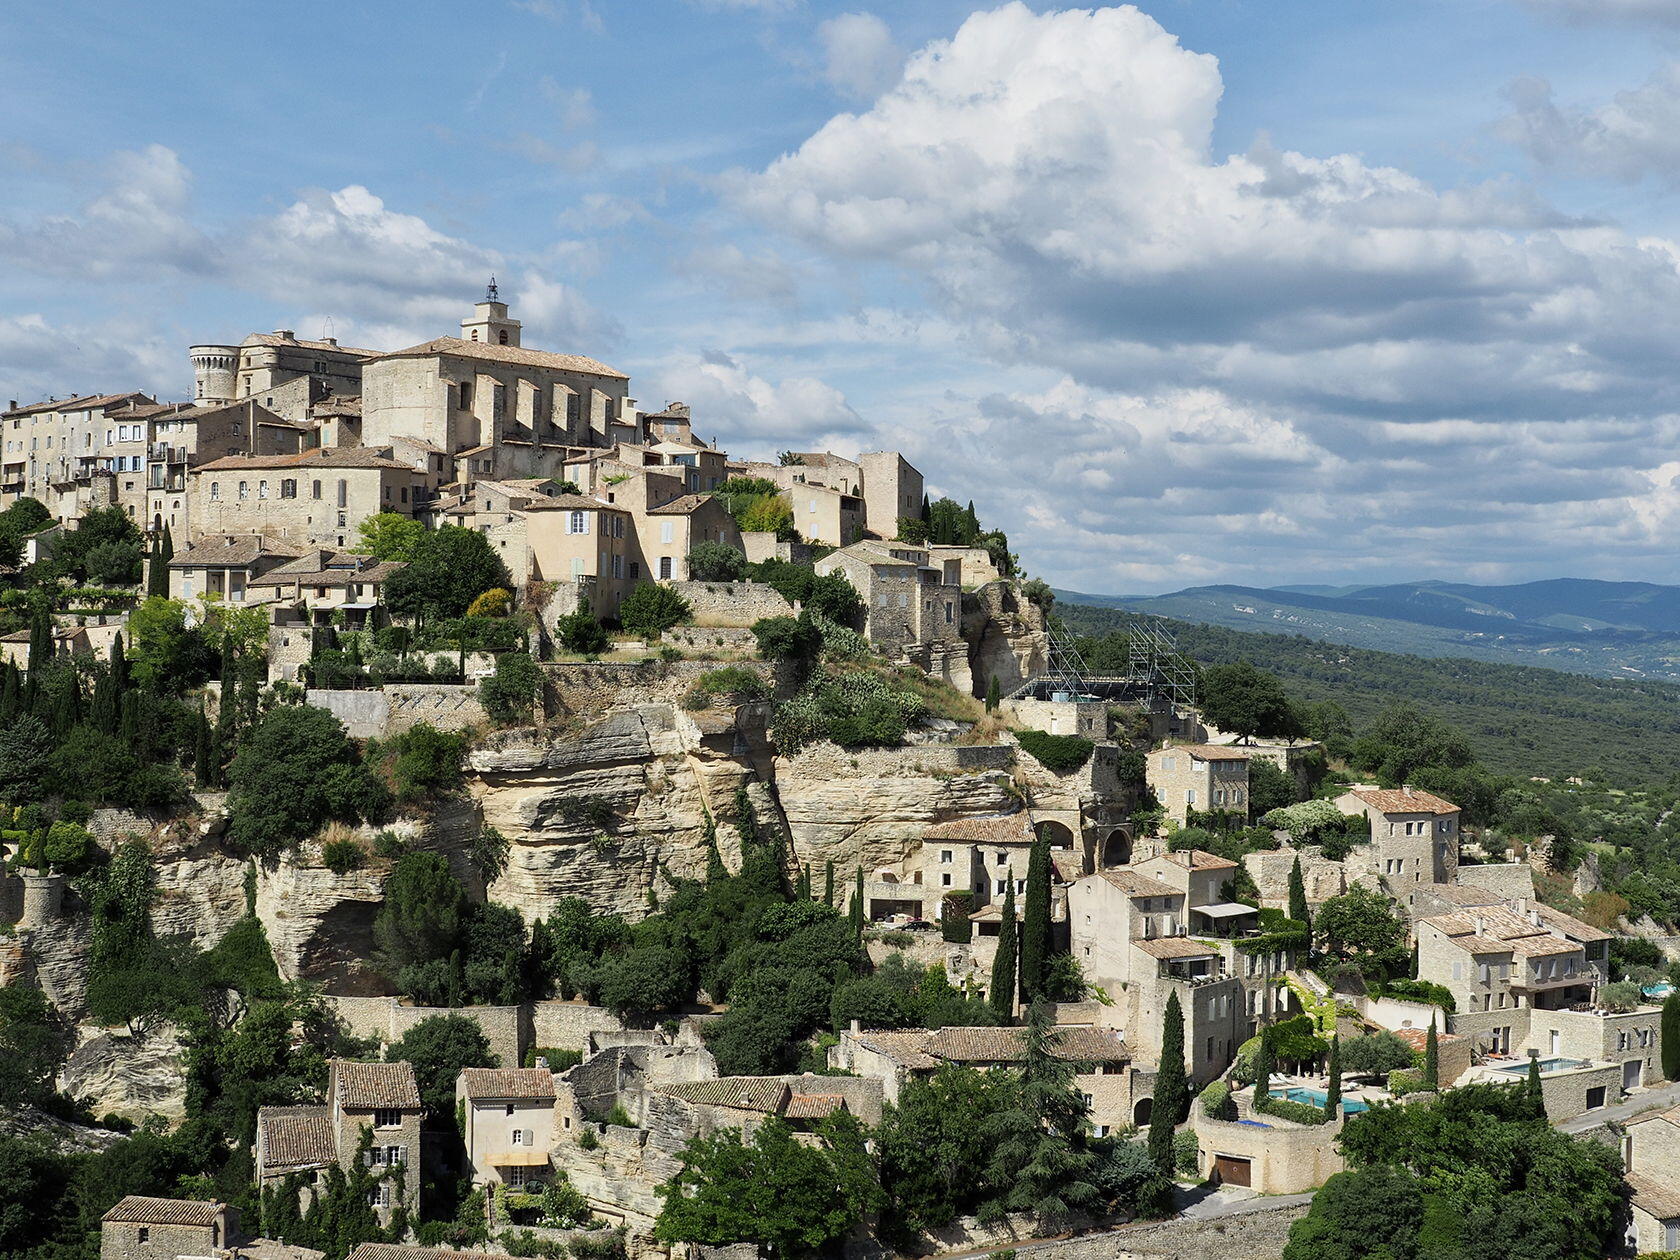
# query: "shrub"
427,762
1417,991
1403,1081
341,856
1216,1101
587,1139
1623,995
650,610
729,680
558,1060
68,846
580,632
1062,754
1284,1109
854,710
716,562
508,694
492,603
954,923
388,844
786,638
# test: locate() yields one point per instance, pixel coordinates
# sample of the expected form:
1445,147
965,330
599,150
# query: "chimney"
1479,923
285,334
857,1027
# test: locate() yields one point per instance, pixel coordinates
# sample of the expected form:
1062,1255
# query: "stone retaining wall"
731,603
379,713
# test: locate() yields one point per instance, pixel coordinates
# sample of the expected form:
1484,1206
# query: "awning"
360,606
1225,910
520,1159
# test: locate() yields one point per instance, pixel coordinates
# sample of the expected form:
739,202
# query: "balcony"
1575,974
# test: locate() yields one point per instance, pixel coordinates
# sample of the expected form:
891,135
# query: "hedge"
1061,753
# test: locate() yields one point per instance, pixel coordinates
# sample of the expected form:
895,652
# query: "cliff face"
1006,634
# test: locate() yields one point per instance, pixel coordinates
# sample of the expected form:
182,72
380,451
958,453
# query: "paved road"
1659,1098
1200,1203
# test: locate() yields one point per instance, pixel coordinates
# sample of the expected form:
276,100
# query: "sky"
1246,291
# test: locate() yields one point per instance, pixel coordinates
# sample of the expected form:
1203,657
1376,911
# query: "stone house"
181,439
315,498
224,565
1201,777
141,1228
892,490
667,533
1266,1154
1102,1057
1492,959
378,1101
310,588
907,601
1651,1152
67,641
1414,835
58,441
508,1126
586,546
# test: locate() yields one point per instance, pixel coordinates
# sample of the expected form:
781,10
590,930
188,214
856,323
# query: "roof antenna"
327,328
490,293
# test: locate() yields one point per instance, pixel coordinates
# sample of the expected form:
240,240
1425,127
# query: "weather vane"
490,293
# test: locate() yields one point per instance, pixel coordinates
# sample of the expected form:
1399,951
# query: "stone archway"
1116,849
1142,1111
1059,834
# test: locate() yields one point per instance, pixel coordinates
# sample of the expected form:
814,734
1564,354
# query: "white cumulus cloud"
860,57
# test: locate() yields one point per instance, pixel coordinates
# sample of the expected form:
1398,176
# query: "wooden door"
1228,1170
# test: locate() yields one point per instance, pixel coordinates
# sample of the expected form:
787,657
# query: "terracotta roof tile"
813,1106
1198,860
272,339
138,1209
1176,947
364,1086
744,1093
234,551
1008,1045
536,1084
1660,1199
400,1251
908,1049
1208,752
988,829
461,349
1137,884
1407,800
315,457
680,506
296,1137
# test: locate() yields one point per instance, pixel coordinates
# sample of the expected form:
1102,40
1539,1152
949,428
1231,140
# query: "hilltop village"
448,807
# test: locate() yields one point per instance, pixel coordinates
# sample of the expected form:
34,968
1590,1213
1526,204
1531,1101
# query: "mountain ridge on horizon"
1582,625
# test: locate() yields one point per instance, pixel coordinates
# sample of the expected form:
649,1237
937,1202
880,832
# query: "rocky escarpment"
127,1075
320,924
600,814
1006,634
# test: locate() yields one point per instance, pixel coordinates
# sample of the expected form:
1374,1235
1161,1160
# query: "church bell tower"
489,322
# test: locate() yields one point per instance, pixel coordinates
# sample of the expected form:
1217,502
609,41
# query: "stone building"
907,601
141,1228
375,1102
60,442
587,547
1414,835
1651,1152
314,498
184,439
288,376
508,1128
323,584
224,566
1202,777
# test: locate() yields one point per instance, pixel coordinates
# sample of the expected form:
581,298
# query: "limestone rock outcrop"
130,1076
320,925
1007,636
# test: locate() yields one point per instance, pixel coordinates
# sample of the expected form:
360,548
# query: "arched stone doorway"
1060,835
1116,848
1142,1110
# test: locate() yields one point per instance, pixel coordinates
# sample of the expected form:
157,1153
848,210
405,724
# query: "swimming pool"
1547,1065
1317,1098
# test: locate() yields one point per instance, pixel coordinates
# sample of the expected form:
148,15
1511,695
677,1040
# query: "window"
664,568
387,1118
315,490
343,493
244,490
521,1137
393,1156
635,569
143,1235
288,488
377,1156
262,489
510,1109
380,1195
945,856
215,490
577,523
665,531
1002,858
1189,796
945,880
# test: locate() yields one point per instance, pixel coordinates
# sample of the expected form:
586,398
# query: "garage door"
1228,1170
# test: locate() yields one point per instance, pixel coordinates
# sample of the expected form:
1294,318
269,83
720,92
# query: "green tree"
1004,962
389,536
1670,1032
295,771
994,695
448,568
828,883
509,694
1298,909
1376,1054
26,748
1371,1214
1246,702
425,762
1361,924
580,632
857,913
438,1047
651,609
168,654
1263,1063
1432,1060
789,1198
33,1043
1172,1090
643,982
1269,787
157,565
1403,740
716,562
421,918
1035,921
934,1143
1533,1092
1333,1092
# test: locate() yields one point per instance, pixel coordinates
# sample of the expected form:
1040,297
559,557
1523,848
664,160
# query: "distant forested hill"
1523,720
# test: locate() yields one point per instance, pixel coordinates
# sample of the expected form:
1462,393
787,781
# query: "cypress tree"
1532,1090
65,709
1263,1072
715,869
229,674
802,889
1035,922
203,751
40,639
828,883
10,697
1172,1092
1670,1031
1333,1095
994,695
1002,995
1298,893
1431,1060
166,553
855,912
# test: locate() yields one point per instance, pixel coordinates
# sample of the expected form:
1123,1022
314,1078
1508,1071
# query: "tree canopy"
1246,702
447,569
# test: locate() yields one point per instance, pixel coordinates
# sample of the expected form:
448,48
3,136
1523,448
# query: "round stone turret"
215,369
43,898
